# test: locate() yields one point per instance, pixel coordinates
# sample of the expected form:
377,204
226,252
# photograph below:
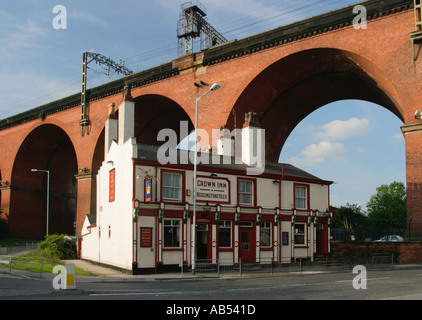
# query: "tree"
349,217
388,206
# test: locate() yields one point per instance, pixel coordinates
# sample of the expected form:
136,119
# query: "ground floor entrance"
247,248
202,242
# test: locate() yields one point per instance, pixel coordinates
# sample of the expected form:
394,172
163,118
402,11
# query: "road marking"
133,293
267,287
385,278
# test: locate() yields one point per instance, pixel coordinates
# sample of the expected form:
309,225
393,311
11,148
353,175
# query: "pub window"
224,234
245,192
172,186
299,234
171,233
301,197
265,234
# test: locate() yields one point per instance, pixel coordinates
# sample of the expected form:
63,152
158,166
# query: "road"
400,283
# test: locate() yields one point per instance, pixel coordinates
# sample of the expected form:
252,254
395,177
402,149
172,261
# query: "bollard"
65,278
70,277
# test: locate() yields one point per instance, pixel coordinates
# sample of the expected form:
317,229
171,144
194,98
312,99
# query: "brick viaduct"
283,74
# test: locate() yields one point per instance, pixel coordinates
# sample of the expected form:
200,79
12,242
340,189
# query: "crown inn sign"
144,209
212,190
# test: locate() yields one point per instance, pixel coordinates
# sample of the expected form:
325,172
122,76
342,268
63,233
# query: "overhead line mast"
192,24
118,68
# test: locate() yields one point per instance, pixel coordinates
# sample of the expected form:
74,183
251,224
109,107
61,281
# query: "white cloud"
338,129
247,8
38,88
315,154
329,150
26,36
398,137
87,17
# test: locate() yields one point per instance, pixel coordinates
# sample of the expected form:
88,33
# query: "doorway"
246,245
321,240
202,242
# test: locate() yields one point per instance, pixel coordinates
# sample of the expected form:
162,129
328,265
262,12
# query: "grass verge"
32,262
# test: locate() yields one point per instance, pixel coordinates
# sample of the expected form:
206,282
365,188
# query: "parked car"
391,238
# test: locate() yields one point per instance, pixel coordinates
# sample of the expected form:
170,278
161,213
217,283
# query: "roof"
92,219
218,163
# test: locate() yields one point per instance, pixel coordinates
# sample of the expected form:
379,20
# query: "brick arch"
47,147
290,89
155,112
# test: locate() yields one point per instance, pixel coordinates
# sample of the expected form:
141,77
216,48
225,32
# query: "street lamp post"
48,192
214,87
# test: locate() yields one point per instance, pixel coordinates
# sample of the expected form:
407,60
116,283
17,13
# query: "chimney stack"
111,128
253,144
226,142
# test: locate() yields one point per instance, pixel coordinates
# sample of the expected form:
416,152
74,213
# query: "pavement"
109,273
106,273
103,274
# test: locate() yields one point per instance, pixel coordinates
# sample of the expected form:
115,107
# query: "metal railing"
24,263
237,267
270,266
17,248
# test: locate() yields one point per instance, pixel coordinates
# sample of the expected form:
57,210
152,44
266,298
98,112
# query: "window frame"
306,198
230,228
270,231
297,234
253,192
181,199
179,226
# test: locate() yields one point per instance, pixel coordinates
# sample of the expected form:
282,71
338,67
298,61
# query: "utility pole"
118,68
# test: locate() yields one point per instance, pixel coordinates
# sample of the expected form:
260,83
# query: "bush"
58,247
3,228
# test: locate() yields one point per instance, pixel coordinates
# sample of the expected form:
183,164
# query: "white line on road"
266,287
133,293
385,278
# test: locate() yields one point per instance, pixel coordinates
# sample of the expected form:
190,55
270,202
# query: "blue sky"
40,64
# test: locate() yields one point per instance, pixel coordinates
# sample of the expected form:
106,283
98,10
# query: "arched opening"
152,113
46,148
302,84
295,86
355,143
155,112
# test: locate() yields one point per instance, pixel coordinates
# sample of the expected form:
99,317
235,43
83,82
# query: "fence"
237,267
411,231
8,258
34,265
17,248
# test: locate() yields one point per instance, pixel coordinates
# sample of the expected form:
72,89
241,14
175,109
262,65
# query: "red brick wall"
403,252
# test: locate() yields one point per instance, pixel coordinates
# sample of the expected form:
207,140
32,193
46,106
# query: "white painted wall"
110,242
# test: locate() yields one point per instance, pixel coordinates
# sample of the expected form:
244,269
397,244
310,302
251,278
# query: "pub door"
202,242
247,249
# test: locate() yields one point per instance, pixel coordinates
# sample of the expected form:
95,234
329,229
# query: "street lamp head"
215,86
34,170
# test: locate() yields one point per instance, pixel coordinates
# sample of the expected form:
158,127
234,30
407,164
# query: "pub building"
143,222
